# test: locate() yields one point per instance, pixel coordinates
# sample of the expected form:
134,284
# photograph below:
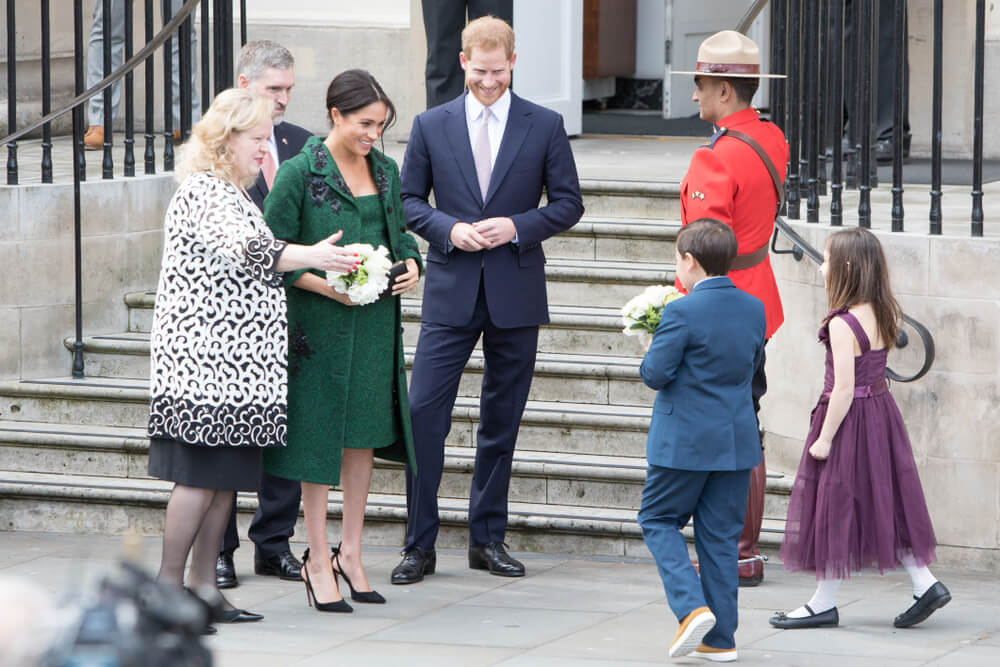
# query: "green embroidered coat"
308,202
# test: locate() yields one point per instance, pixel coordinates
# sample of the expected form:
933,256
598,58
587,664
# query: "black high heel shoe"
373,597
338,606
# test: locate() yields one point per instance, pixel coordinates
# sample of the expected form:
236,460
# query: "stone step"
616,239
553,478
82,504
648,200
546,425
576,378
591,330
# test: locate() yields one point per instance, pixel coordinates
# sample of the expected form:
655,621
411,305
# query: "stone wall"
122,246
952,285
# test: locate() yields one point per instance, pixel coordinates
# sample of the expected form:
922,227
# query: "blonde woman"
219,337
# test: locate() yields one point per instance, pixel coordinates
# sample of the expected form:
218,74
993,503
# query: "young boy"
703,439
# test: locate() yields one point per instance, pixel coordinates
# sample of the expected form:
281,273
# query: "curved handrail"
165,33
802,247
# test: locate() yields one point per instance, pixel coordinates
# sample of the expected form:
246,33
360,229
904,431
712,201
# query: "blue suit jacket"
701,361
534,155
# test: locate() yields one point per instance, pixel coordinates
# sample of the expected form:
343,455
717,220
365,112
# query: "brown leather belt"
749,260
866,391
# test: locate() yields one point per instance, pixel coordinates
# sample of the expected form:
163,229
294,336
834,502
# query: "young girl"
857,501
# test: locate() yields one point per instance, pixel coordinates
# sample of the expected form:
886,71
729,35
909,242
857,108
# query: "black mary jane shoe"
828,618
494,557
933,599
371,597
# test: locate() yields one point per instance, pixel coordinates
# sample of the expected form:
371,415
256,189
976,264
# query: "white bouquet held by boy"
641,314
366,283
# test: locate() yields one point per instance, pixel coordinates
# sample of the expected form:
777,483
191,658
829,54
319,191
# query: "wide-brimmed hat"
730,54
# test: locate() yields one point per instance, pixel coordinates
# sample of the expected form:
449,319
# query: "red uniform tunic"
728,181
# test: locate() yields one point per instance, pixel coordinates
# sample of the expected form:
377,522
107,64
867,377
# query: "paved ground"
584,612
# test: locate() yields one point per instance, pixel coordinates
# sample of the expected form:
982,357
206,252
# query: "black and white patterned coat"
219,337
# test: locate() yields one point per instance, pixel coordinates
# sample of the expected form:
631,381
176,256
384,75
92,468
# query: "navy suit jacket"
534,155
290,139
701,361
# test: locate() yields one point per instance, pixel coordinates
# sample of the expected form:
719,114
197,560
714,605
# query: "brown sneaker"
94,139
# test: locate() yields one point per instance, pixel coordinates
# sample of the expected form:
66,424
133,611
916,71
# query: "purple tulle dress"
864,506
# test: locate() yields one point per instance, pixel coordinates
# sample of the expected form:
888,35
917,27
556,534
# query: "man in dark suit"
266,69
487,155
703,439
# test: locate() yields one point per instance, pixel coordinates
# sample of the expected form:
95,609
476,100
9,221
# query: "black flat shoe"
415,564
933,599
371,597
494,557
236,616
828,618
285,566
225,571
339,606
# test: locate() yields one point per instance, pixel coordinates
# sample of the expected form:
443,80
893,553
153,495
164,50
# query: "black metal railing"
802,248
830,54
176,25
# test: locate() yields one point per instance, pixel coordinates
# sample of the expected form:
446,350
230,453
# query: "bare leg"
318,570
186,511
356,476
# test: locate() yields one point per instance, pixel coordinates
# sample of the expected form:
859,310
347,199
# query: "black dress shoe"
933,599
284,565
415,564
225,571
494,557
830,618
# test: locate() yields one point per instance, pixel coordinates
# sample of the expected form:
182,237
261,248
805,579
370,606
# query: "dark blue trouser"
718,501
442,352
274,523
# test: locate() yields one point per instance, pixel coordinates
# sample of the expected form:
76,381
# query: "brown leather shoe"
93,140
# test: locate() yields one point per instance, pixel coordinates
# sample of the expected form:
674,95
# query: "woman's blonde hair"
234,110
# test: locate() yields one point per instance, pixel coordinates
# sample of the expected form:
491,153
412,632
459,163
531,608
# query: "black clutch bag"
395,271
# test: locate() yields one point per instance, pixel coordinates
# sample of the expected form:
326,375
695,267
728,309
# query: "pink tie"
269,169
481,154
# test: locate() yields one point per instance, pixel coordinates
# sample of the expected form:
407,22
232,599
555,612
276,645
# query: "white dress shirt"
498,121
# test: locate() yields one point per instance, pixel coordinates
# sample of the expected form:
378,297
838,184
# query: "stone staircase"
73,452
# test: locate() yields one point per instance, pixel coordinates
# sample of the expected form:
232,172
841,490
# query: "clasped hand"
482,235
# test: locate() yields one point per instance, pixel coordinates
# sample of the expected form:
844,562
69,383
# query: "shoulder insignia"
697,194
721,132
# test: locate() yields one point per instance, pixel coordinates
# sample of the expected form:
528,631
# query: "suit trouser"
274,523
95,62
443,24
717,500
758,480
442,352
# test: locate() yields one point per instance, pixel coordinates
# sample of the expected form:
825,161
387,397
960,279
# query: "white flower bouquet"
641,314
366,283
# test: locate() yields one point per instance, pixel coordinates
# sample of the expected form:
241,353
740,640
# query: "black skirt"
223,468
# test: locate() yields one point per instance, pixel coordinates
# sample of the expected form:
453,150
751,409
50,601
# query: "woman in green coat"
347,378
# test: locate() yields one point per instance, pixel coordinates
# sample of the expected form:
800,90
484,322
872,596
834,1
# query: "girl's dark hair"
355,89
857,272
